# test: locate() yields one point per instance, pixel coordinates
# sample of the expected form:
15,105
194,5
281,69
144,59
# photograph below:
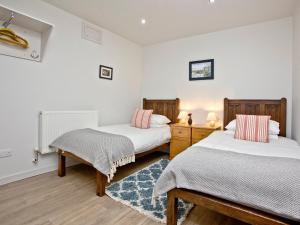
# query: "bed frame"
277,110
169,108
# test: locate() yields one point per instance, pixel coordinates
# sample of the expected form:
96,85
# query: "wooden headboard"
275,108
166,107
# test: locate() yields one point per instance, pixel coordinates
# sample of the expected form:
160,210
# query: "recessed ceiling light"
143,21
211,1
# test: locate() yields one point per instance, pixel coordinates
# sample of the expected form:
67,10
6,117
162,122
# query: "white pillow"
273,127
158,125
232,132
231,126
159,120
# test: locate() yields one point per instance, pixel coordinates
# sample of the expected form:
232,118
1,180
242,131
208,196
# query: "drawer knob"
179,132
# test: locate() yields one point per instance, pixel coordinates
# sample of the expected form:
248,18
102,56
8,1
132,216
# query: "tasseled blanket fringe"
120,162
153,200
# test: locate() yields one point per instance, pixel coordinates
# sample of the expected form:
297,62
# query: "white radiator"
52,124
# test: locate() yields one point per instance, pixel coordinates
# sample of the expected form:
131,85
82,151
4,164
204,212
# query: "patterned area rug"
135,191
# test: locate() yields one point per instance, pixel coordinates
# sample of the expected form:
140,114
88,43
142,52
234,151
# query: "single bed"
221,190
145,141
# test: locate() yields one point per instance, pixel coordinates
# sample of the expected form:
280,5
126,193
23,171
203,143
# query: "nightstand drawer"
178,146
181,132
183,136
200,133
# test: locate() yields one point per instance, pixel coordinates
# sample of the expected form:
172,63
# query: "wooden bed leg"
100,182
61,164
172,208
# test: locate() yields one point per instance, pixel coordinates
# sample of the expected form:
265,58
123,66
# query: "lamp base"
212,123
182,121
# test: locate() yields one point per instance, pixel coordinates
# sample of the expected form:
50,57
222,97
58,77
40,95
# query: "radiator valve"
35,156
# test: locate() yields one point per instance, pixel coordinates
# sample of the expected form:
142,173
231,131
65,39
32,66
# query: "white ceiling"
172,19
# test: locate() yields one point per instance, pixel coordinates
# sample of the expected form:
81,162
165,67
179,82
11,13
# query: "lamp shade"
182,115
212,116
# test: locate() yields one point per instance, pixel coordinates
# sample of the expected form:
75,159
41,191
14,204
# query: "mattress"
142,139
281,147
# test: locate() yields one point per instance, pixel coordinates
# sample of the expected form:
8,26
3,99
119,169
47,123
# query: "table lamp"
182,117
212,118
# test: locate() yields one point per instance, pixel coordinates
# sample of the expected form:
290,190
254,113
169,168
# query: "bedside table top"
206,126
180,125
202,126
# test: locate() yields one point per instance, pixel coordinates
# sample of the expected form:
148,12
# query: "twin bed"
145,141
257,183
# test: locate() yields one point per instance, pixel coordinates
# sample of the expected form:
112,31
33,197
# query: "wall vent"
91,33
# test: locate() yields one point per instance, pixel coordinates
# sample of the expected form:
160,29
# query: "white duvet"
282,147
142,139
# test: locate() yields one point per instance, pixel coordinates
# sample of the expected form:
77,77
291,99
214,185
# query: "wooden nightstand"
200,132
183,136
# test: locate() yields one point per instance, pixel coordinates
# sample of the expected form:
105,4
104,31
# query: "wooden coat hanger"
10,37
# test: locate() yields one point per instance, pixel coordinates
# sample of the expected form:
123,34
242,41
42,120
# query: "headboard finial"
283,100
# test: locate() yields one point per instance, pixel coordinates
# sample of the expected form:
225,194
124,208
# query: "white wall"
250,62
66,79
296,75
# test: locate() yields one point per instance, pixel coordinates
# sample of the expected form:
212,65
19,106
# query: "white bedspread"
283,147
143,139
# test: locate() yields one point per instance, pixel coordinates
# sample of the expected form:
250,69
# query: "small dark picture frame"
106,72
201,70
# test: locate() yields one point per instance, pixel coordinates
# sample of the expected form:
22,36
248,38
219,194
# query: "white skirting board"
31,173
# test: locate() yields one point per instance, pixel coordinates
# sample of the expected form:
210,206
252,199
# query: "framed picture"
201,70
106,72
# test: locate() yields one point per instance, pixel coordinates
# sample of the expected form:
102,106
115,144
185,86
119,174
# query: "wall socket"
5,153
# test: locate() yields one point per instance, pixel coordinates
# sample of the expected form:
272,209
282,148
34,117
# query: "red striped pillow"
141,118
252,128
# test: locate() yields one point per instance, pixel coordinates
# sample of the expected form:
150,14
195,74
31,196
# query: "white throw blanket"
104,151
271,184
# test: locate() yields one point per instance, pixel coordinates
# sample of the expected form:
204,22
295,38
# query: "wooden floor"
51,200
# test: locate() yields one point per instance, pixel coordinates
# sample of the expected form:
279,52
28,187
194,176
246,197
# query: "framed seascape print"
201,70
106,72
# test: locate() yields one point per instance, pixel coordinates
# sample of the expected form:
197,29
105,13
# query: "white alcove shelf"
35,31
